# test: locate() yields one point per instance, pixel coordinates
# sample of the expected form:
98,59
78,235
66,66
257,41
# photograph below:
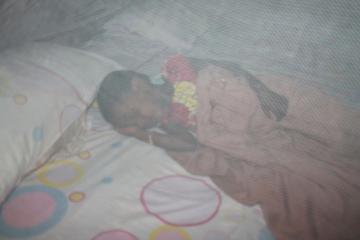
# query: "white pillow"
44,89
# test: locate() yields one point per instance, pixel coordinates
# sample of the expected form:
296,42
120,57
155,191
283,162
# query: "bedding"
44,89
316,41
303,170
108,186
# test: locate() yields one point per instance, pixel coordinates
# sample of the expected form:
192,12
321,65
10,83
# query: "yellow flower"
184,93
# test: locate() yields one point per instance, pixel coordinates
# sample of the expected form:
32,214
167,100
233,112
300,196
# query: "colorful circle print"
20,99
166,232
38,134
60,174
180,200
84,155
115,235
77,197
31,210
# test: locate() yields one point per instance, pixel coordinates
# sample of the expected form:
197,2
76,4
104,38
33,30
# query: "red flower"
178,68
178,114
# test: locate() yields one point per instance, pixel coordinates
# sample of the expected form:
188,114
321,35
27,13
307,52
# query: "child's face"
143,108
148,111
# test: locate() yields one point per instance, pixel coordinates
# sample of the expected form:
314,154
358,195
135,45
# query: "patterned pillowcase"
44,89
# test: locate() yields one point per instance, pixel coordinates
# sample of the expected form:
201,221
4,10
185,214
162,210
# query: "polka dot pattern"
38,134
85,155
31,210
115,235
107,180
76,197
15,215
116,144
181,201
20,99
167,232
61,171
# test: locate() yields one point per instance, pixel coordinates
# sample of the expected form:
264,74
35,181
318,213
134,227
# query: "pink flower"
180,113
178,68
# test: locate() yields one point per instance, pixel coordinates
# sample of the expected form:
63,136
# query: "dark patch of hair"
115,87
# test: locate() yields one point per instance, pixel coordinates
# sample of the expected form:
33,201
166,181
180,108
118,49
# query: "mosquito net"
300,58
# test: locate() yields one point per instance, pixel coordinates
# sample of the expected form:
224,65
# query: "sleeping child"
288,154
133,106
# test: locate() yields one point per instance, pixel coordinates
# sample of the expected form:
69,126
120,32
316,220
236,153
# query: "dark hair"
115,87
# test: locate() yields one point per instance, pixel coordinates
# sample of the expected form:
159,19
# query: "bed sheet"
108,186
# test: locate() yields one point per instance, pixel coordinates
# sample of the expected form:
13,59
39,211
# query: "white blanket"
107,186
